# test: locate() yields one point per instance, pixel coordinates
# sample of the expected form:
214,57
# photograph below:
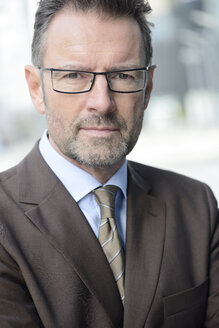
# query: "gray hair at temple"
48,9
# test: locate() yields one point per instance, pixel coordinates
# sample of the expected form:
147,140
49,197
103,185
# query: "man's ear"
149,86
34,83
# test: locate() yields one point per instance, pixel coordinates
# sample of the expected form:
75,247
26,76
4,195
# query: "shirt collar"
78,182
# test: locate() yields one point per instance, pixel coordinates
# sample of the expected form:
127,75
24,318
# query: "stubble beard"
98,152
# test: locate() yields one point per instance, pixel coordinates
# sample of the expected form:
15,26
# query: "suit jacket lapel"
59,218
144,250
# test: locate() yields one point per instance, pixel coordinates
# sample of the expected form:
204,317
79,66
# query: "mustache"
102,120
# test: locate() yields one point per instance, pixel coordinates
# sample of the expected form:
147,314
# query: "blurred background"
181,126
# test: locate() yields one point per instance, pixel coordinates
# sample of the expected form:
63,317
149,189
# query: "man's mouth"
99,131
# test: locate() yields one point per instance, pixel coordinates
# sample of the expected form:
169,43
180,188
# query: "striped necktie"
108,234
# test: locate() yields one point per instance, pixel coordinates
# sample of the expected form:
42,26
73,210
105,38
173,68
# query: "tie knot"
105,197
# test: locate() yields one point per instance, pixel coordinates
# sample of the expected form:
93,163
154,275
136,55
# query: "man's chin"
99,158
99,162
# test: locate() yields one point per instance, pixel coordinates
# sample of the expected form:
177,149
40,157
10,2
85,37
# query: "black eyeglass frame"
146,69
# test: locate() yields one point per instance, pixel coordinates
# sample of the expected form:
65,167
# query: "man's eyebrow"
112,68
125,67
74,67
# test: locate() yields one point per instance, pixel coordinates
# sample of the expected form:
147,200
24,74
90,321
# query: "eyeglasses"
74,81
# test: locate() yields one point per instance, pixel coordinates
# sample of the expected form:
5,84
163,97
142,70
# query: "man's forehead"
87,32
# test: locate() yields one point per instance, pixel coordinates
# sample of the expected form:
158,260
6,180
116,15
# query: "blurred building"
16,20
186,47
14,45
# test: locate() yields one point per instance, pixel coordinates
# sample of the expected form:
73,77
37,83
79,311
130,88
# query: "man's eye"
72,76
123,76
67,76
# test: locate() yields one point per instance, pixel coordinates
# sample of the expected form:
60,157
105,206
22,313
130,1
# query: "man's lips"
99,130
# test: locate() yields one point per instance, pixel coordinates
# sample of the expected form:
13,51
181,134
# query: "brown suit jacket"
54,274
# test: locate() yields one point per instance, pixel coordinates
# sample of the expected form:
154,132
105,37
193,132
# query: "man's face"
100,127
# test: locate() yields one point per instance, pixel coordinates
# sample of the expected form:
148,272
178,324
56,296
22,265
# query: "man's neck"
102,174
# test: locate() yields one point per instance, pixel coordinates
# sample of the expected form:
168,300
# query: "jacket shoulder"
166,183
156,175
8,174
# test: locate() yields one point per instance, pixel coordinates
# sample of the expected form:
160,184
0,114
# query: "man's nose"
100,98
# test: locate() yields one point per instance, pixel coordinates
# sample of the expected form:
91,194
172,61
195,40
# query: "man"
92,77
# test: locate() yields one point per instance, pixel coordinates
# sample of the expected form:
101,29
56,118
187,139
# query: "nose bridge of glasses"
103,74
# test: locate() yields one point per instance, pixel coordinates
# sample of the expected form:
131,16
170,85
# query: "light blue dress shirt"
79,184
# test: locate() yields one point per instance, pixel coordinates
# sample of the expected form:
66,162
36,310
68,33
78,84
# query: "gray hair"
48,9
